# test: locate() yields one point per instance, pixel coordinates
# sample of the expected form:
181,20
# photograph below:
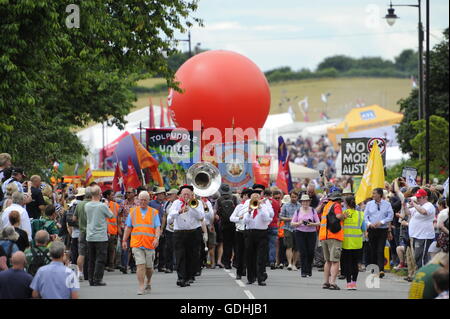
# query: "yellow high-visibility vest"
353,235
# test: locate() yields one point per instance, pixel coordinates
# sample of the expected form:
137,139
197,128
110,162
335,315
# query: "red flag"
282,177
118,181
162,124
132,178
151,120
260,177
147,160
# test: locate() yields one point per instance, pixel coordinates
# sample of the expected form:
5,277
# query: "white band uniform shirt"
235,217
169,227
261,221
186,221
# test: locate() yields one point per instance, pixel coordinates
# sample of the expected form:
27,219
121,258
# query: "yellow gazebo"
363,121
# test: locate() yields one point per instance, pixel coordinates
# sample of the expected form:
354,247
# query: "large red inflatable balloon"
220,88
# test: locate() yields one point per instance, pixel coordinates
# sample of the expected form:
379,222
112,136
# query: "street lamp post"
424,99
391,17
189,41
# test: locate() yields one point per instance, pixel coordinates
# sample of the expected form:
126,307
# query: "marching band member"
186,222
209,237
256,222
238,218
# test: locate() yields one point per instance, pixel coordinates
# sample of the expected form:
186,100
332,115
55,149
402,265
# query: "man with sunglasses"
378,214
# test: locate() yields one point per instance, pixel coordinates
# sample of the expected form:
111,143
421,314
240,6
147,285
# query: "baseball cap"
421,193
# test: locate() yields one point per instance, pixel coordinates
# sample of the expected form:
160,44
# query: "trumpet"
254,204
193,203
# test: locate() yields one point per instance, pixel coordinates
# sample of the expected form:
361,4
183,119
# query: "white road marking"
249,294
240,284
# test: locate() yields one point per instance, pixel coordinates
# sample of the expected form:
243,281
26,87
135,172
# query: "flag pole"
143,177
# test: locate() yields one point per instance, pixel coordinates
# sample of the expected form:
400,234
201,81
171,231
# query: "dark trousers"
74,250
160,253
256,251
184,253
306,244
394,243
168,250
228,245
349,263
366,253
97,260
281,251
126,258
198,250
421,247
239,251
112,246
377,242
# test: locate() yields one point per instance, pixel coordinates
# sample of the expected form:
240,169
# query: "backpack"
333,223
69,216
225,209
41,224
40,258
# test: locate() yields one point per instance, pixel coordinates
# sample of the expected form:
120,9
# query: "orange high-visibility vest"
112,222
144,231
323,232
280,229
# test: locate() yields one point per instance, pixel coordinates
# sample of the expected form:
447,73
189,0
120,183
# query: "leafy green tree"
373,63
439,154
341,63
54,78
439,97
407,61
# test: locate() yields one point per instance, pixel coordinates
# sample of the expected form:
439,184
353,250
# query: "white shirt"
169,227
266,203
235,217
261,221
25,223
10,180
186,221
442,217
421,226
209,216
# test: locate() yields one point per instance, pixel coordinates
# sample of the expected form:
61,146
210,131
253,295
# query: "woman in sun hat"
306,222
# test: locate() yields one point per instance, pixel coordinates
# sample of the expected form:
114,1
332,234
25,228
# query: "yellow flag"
373,175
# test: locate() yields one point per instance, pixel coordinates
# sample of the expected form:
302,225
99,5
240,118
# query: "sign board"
355,154
235,166
410,174
175,150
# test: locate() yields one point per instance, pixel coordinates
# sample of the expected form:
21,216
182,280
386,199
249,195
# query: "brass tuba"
205,178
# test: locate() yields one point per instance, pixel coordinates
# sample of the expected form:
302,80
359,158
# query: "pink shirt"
300,217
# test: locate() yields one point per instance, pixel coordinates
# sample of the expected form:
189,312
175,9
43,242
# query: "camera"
321,173
306,222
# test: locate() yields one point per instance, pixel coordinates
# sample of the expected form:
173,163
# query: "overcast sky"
300,33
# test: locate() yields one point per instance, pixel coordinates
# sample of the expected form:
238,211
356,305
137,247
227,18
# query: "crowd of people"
50,239
319,155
